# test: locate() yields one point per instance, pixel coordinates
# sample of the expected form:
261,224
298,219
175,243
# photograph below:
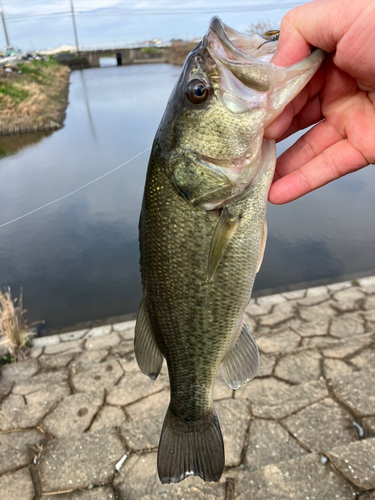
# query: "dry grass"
36,96
13,326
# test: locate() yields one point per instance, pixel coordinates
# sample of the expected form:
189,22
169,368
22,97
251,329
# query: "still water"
77,260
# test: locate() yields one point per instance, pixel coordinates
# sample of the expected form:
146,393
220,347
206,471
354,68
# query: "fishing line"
75,191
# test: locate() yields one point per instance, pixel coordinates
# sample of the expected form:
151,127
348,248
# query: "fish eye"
197,91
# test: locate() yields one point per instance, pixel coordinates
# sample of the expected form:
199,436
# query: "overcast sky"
42,24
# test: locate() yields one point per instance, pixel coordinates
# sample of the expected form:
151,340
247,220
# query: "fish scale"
202,236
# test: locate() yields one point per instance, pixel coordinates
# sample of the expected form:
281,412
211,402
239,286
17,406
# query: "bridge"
124,56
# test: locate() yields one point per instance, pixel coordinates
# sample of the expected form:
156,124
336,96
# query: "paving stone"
102,376
129,363
221,389
365,359
269,443
80,461
294,294
279,341
356,462
101,493
335,368
266,364
300,367
35,352
12,484
124,326
73,415
335,287
313,328
370,303
46,341
98,331
347,325
18,412
347,300
369,426
257,310
357,392
368,496
135,386
138,479
321,341
103,341
296,479
281,312
270,299
13,372
234,417
69,336
367,282
87,360
58,361
40,381
142,429
109,416
322,426
370,318
122,349
343,349
316,291
64,347
272,398
16,448
320,312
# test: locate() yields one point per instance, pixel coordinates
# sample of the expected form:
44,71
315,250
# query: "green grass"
35,71
15,93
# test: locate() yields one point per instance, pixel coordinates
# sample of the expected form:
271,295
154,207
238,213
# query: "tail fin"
190,449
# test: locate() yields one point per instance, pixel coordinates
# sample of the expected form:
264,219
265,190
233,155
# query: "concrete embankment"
79,419
34,97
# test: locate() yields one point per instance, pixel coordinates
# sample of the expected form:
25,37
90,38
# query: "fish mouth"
247,57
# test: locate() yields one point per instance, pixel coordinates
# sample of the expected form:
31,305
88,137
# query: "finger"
290,122
340,159
282,123
307,148
314,24
310,114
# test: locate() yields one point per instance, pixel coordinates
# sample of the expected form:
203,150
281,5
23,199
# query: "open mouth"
241,47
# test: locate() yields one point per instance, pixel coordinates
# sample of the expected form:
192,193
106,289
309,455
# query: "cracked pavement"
79,421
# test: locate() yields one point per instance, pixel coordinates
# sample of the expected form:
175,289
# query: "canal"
77,259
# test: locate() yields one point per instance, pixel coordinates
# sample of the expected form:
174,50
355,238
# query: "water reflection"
77,260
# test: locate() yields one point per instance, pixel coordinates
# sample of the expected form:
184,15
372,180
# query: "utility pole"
74,26
4,25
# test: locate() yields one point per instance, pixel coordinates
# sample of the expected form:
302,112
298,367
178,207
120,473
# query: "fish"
203,231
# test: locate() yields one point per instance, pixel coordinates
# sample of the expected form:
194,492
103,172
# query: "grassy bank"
35,95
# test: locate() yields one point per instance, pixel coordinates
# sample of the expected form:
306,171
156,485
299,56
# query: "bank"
33,96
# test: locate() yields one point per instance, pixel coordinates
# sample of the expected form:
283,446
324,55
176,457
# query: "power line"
161,12
75,191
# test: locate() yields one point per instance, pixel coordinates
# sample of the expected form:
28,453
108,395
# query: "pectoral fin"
147,353
241,364
224,231
262,244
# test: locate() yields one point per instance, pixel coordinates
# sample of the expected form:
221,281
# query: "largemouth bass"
203,234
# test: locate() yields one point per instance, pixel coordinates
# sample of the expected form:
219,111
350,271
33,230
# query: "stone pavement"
79,421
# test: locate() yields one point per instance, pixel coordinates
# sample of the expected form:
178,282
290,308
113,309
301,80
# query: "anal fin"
147,353
224,231
241,364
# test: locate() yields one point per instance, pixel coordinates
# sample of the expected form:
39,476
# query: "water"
77,260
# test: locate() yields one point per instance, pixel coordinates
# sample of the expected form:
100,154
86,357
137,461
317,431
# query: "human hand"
340,98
